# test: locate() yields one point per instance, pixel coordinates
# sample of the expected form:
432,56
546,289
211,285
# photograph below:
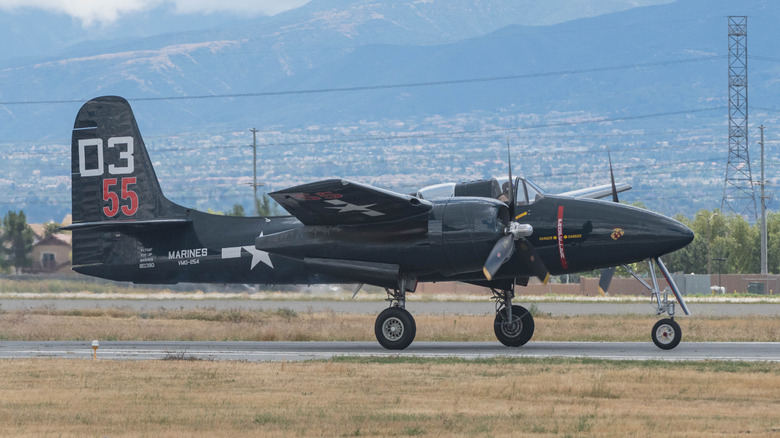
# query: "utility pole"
720,261
254,183
764,269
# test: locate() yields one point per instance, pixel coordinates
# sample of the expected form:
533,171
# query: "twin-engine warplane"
481,232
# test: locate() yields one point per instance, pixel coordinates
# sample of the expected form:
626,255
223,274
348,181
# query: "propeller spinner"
514,236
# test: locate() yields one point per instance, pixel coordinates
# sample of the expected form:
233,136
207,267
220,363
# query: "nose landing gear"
666,333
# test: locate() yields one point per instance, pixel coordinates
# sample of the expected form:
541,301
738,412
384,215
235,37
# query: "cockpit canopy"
526,192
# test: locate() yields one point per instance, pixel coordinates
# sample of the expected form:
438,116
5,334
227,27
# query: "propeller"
501,253
514,235
511,184
606,273
605,279
612,177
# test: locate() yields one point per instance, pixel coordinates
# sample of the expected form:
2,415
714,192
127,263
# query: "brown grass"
387,398
287,325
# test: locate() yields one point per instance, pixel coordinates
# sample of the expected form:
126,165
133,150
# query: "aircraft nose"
644,234
663,235
676,235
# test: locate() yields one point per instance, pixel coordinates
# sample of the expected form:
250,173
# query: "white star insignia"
344,207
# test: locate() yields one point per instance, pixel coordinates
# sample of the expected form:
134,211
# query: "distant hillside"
330,44
404,94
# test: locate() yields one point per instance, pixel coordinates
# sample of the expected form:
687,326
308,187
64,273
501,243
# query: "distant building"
51,254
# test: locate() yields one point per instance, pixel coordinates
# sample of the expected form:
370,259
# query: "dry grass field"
111,324
389,397
378,397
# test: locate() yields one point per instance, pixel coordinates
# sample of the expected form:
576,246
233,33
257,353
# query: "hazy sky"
102,12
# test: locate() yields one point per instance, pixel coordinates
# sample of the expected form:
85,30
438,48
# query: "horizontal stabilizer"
118,224
342,202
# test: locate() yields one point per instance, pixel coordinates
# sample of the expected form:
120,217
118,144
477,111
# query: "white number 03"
125,155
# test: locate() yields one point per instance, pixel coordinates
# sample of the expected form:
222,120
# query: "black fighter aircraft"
342,231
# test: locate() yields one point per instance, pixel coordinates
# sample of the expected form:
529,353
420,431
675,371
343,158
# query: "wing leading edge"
343,202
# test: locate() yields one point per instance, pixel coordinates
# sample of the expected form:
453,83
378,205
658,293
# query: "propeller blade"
612,177
357,289
606,274
605,279
511,183
528,253
500,254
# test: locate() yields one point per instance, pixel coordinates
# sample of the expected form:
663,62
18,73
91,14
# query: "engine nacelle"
456,238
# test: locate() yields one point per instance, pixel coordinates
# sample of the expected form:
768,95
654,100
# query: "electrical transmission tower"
738,191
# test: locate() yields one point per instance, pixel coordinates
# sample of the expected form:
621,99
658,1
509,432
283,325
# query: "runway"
301,351
485,307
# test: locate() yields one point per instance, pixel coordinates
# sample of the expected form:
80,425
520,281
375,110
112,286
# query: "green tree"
265,206
773,242
743,243
16,241
725,236
691,259
238,210
51,228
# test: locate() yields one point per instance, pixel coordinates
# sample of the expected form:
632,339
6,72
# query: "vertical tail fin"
115,189
112,175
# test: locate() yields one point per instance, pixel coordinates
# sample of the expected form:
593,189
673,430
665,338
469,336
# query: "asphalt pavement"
485,307
300,351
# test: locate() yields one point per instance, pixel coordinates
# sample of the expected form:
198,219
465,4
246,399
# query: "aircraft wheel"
395,328
666,334
516,332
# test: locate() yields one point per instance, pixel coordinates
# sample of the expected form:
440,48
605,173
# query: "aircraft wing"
597,192
343,202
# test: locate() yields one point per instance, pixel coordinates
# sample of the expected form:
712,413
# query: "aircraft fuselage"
570,235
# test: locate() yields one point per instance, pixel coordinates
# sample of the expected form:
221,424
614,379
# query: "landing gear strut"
514,325
395,327
666,333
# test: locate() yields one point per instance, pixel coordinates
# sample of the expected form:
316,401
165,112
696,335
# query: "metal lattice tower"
738,192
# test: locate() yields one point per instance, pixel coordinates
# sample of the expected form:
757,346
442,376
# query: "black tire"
516,333
666,334
395,328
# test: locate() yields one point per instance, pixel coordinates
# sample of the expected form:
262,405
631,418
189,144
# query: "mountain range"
652,73
656,58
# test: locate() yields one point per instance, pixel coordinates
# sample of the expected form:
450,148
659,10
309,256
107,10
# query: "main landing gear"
514,325
395,327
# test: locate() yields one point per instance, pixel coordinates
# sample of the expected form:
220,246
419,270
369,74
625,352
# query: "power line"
481,132
473,133
388,86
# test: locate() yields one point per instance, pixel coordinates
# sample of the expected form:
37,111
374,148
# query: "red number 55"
112,209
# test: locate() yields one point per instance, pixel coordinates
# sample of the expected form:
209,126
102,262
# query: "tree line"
726,244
